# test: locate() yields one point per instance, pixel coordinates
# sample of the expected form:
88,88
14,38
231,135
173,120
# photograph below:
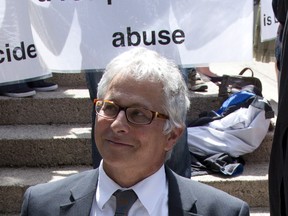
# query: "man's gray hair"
145,64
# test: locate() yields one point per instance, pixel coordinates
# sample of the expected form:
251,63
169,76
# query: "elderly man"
141,111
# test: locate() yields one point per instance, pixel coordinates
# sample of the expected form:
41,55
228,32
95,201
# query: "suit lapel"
181,201
81,197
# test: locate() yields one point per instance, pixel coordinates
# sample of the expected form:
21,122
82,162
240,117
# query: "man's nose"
120,124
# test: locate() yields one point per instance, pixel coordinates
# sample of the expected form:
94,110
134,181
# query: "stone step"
262,153
251,186
53,129
260,70
259,212
45,145
68,79
14,182
67,144
67,105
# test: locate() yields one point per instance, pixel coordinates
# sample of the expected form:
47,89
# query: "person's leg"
42,85
180,160
92,79
19,90
206,71
278,50
193,80
209,74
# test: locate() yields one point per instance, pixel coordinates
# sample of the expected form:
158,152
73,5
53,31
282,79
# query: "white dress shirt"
152,195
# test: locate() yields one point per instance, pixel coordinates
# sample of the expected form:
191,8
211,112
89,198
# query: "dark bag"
232,84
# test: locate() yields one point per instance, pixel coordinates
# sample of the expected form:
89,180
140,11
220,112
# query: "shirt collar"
106,187
155,185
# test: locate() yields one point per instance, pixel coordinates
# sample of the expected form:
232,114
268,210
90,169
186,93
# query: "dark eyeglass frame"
154,114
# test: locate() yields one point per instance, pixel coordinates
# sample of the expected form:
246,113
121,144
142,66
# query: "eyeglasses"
135,115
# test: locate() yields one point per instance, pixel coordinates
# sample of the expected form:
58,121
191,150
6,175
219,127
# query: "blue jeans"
179,162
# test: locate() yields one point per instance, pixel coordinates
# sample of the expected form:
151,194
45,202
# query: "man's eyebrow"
132,104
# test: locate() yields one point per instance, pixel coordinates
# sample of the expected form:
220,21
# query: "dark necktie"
124,201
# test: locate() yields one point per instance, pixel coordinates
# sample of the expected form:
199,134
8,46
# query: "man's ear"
173,136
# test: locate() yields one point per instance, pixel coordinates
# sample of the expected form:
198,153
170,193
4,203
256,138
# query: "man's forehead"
144,94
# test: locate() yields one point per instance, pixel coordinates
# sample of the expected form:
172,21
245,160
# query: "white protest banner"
269,23
18,55
74,35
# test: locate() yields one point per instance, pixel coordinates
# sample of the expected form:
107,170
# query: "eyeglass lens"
133,114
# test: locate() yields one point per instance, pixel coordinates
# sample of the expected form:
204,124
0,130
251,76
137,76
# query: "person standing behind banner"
262,51
26,89
278,41
278,167
141,107
21,73
92,80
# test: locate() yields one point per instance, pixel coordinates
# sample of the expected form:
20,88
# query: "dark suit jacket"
74,196
278,167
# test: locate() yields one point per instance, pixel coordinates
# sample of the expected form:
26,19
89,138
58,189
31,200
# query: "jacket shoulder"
47,197
209,200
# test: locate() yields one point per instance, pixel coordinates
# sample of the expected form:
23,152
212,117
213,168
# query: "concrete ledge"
68,144
45,145
14,182
61,106
68,79
66,105
25,140
251,186
262,153
259,212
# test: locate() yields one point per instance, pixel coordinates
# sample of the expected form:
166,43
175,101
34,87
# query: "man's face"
128,146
